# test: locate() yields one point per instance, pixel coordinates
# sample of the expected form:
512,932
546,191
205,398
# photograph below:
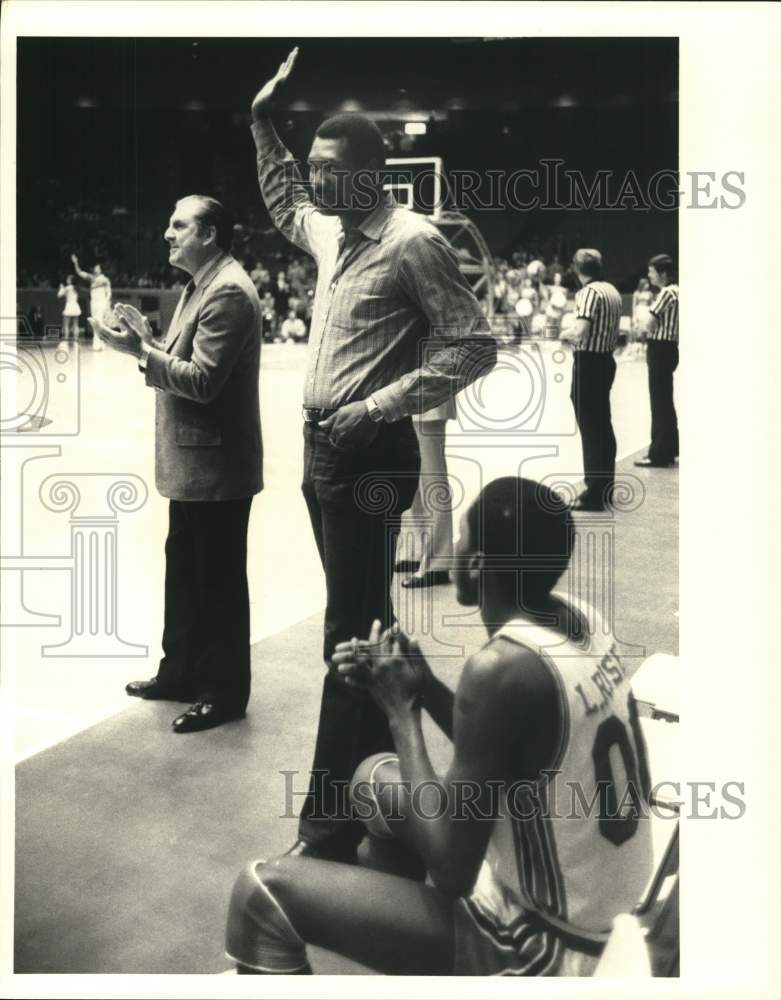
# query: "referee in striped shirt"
662,354
594,336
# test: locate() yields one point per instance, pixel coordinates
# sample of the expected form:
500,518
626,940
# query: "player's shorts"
493,939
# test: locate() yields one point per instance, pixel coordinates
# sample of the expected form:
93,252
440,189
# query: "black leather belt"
314,416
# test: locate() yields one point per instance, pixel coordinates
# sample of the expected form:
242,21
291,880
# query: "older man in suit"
208,463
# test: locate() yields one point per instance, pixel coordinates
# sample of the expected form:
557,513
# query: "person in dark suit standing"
208,462
594,337
661,337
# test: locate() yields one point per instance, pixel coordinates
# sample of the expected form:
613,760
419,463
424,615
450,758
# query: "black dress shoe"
430,579
153,690
204,715
647,463
585,503
406,565
330,849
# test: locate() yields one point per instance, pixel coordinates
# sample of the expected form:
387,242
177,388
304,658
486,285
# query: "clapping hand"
130,319
389,665
126,341
264,103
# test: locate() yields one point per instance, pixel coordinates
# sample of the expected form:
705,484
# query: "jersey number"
618,818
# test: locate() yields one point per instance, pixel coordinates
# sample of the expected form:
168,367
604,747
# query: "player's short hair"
364,140
588,262
213,213
522,525
664,264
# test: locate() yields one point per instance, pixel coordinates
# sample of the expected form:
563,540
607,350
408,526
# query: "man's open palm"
264,102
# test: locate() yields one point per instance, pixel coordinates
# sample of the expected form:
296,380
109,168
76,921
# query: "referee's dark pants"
662,357
355,498
592,378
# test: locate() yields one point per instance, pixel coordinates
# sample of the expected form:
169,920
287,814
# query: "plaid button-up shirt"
393,317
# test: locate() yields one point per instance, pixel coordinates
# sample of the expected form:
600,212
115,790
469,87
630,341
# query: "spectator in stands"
268,318
35,322
261,279
281,294
554,311
642,298
293,329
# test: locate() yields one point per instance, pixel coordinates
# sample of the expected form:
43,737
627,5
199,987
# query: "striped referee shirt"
599,302
665,308
392,317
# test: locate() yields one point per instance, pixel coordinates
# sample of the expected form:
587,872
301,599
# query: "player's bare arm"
498,697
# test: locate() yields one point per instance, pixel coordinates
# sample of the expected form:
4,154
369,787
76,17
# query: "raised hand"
265,100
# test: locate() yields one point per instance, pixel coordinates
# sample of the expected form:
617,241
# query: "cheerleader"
71,311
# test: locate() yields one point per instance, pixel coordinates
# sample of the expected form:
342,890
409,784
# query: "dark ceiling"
380,73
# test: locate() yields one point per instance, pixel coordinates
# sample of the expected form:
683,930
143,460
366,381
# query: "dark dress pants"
662,358
592,379
206,634
355,499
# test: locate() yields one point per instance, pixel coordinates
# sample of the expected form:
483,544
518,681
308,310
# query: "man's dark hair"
364,140
213,213
522,525
664,264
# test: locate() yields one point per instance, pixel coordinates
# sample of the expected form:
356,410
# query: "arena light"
85,102
565,101
415,128
351,105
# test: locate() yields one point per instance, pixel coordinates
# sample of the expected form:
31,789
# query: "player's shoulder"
504,668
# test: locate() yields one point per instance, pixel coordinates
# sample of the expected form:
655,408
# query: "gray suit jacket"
208,442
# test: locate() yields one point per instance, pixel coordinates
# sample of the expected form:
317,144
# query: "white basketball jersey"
576,847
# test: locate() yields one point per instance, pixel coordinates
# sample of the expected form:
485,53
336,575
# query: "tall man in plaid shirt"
395,330
662,356
594,335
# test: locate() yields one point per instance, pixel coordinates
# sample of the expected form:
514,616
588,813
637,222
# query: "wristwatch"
142,357
375,413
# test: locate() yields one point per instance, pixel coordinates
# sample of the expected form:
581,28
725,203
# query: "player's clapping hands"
389,665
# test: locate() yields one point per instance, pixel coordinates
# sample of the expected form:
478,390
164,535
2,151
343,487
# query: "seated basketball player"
537,836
